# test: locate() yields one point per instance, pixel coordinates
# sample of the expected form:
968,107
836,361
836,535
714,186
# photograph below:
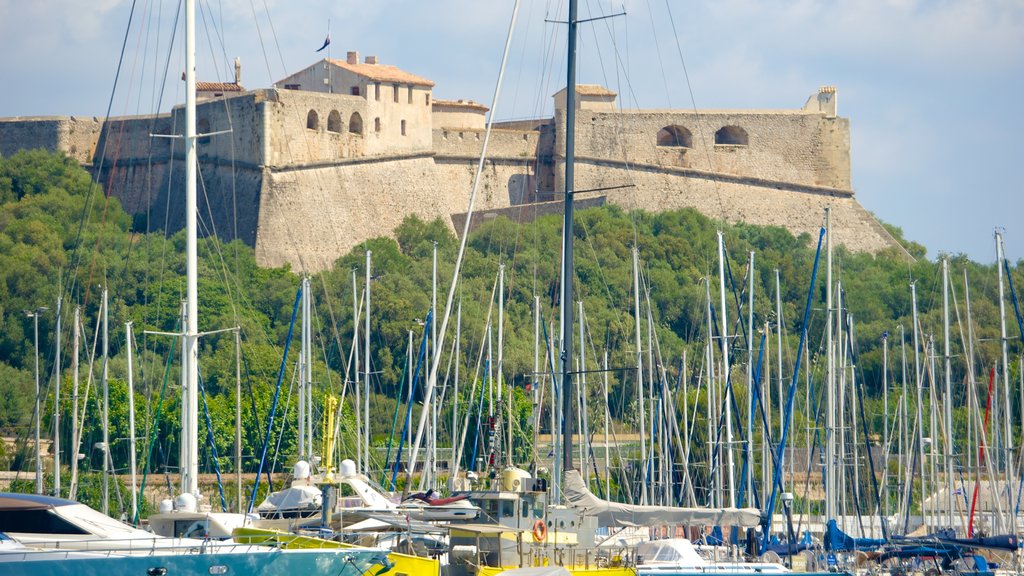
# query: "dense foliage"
59,235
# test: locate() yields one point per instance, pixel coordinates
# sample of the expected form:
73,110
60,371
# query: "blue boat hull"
340,562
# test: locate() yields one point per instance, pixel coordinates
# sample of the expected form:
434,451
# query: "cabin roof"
15,501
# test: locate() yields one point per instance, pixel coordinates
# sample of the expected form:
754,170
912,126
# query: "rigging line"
693,102
273,32
73,261
432,380
230,128
263,47
155,319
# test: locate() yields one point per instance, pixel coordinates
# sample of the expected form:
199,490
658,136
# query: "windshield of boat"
36,521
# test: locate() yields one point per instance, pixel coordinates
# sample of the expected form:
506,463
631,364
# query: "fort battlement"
344,150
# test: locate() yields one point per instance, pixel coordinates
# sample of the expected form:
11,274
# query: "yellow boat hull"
403,563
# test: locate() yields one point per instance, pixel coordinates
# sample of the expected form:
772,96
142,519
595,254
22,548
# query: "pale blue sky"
931,88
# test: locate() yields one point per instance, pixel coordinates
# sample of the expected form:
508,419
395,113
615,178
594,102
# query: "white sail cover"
615,514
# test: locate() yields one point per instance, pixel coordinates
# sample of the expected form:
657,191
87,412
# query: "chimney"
238,70
371,59
353,58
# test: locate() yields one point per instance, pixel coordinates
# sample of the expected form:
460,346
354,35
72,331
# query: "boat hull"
271,563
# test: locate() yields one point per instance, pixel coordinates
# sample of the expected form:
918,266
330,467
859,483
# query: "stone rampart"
73,135
304,176
790,146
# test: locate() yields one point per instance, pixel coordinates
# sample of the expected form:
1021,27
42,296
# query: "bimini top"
15,501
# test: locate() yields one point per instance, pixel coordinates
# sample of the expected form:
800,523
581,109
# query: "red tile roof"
218,87
382,73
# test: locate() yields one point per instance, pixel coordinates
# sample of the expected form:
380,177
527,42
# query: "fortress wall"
239,114
339,207
290,143
342,205
739,201
804,148
503,143
504,183
75,136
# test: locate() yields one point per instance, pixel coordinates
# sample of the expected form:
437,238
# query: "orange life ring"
540,531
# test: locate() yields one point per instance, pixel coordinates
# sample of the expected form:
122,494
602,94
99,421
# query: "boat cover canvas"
615,514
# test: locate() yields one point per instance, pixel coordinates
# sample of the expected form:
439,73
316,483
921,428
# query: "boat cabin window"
36,522
507,509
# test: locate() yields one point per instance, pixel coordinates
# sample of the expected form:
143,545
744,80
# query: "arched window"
334,121
355,123
376,124
731,135
312,120
676,136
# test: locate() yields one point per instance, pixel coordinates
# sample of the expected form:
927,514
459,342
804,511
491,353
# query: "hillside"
59,230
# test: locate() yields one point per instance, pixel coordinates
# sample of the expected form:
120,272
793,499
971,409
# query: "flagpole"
330,81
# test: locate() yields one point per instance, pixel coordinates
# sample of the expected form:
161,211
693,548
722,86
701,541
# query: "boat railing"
147,546
571,556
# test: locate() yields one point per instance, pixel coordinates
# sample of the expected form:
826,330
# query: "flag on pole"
327,42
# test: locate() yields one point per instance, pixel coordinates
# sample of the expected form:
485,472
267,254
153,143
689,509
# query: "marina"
571,362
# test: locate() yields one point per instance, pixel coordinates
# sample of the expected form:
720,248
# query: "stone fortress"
343,150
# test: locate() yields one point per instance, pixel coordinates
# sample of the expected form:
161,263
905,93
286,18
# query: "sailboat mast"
73,455
131,422
106,409
567,238
1007,435
303,368
726,390
190,394
56,405
947,370
366,363
640,398
830,384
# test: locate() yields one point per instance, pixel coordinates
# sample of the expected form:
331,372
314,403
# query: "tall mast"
238,415
947,369
106,410
303,368
1007,435
567,238
131,422
830,381
750,378
433,343
920,400
56,405
73,455
360,457
726,391
190,393
366,363
640,398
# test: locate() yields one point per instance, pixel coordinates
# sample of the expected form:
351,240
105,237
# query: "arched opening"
675,136
731,135
334,121
376,124
355,123
312,120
